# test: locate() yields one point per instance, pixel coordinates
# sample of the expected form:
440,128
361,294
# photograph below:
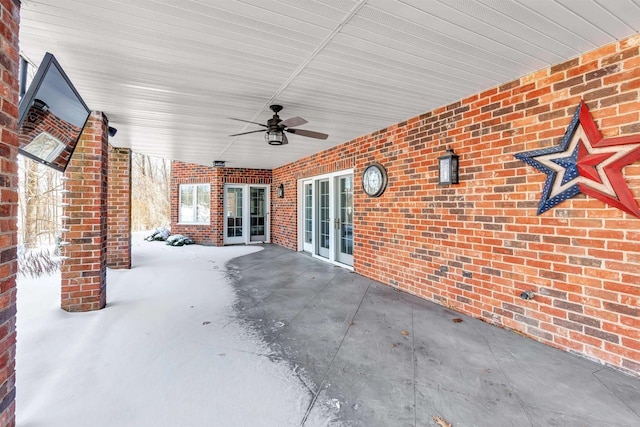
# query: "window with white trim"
194,203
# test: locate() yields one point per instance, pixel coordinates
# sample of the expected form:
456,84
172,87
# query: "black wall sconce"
281,191
448,168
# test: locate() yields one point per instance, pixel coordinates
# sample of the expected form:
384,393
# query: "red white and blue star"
586,163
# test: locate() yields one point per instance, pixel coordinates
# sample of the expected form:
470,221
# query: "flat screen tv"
52,116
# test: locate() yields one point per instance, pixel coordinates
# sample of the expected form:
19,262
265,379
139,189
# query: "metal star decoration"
586,163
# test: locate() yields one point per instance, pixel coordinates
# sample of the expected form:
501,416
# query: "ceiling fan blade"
246,133
293,122
308,133
248,121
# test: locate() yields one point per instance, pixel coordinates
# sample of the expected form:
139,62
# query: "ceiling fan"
276,127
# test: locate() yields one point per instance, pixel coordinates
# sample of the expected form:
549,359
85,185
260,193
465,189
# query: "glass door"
307,216
344,220
233,226
323,219
246,209
258,210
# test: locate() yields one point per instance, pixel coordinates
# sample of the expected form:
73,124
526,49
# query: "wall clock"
374,180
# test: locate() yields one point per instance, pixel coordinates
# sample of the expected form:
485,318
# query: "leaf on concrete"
441,422
457,320
404,332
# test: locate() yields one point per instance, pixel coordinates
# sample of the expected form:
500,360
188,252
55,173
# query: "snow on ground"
167,350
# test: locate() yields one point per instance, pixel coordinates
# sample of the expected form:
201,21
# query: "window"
194,203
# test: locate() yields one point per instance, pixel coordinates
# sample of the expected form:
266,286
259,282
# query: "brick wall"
477,245
119,208
284,214
189,173
84,285
9,59
37,121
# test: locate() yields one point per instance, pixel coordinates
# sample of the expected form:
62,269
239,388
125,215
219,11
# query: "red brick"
581,255
189,173
86,208
8,206
119,208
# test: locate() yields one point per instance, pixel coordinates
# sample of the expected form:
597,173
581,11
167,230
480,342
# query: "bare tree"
40,205
39,200
150,206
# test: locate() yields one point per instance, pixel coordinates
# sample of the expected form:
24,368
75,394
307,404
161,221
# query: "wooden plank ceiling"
169,73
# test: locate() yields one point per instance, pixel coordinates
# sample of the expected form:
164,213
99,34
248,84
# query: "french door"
344,219
258,214
307,216
326,208
324,219
246,209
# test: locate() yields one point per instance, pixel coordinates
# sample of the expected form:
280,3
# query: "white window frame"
246,214
332,213
194,186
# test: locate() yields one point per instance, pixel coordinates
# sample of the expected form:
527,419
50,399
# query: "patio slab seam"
315,398
613,392
348,339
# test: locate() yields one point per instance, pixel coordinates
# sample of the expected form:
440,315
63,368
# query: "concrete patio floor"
377,357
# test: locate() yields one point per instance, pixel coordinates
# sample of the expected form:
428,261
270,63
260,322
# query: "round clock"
374,180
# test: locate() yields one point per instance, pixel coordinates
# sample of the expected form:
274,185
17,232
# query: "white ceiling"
169,73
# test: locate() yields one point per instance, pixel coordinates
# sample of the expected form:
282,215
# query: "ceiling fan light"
274,137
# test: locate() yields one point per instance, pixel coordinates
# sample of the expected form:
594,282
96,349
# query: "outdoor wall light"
112,131
274,137
281,191
448,168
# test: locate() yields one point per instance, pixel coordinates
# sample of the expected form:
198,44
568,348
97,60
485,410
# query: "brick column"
218,216
84,270
9,19
119,208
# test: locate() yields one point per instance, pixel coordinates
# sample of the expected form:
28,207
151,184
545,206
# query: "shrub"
37,261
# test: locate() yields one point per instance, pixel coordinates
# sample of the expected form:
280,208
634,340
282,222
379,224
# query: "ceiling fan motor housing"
274,135
273,123
276,128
